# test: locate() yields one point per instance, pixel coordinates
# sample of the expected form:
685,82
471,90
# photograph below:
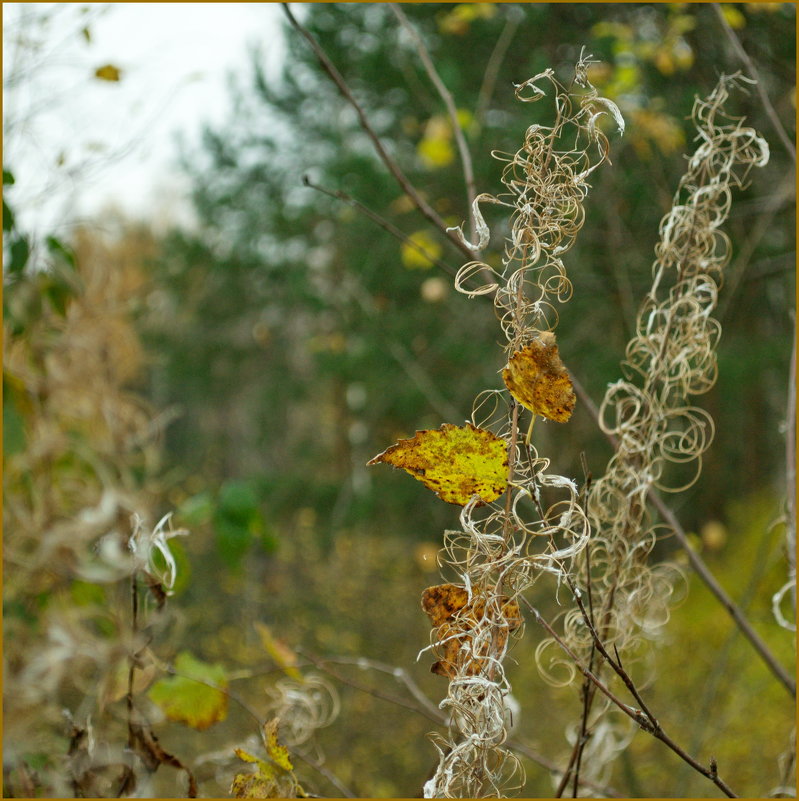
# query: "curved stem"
446,96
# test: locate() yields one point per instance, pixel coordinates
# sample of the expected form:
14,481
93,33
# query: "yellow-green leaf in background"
462,15
436,152
192,697
277,753
735,19
456,463
279,652
435,148
108,72
420,251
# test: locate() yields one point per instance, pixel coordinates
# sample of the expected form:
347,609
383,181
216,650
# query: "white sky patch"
77,144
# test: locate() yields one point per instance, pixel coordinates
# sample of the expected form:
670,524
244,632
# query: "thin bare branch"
753,73
421,204
446,96
514,16
732,608
643,717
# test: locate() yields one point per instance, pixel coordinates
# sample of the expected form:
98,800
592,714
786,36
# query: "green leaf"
237,500
8,217
85,593
187,697
8,177
233,539
59,293
196,510
20,250
58,249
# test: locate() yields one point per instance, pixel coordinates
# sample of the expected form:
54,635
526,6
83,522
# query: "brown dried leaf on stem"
455,616
538,379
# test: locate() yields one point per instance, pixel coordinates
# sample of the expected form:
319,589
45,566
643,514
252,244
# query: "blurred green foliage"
300,339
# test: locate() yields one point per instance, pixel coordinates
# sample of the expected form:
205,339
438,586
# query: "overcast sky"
76,143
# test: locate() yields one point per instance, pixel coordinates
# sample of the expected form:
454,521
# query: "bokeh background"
237,359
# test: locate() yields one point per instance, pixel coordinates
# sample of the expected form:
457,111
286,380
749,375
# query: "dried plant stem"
407,187
753,72
446,96
698,564
643,717
128,780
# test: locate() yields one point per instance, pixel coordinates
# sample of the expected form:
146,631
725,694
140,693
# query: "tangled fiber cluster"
661,438
503,547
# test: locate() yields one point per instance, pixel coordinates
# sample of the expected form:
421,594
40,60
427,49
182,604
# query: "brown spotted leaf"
456,463
454,618
538,379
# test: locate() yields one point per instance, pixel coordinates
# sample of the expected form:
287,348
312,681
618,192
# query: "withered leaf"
538,379
192,697
273,779
454,617
456,463
108,72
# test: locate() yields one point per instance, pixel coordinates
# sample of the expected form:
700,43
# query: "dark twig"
587,694
698,564
407,187
643,717
755,75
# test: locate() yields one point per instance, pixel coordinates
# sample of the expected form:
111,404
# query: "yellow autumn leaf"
274,779
264,783
196,696
456,463
108,72
462,15
278,753
420,251
537,378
